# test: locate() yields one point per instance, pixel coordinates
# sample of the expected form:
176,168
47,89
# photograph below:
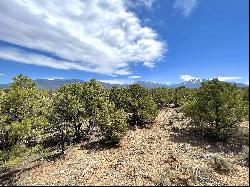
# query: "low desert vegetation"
32,118
222,165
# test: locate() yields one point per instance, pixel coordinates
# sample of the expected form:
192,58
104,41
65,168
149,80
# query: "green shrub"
216,105
88,103
136,101
15,155
68,111
222,165
119,97
179,94
141,105
22,113
112,123
162,96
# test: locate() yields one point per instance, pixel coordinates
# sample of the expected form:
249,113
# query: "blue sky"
121,41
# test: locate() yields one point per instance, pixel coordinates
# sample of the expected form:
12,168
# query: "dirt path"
141,159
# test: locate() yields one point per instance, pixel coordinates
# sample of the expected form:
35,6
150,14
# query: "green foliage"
88,103
141,104
95,97
162,96
112,123
23,82
103,114
30,116
182,94
119,97
23,109
222,165
22,112
216,104
14,156
136,101
68,110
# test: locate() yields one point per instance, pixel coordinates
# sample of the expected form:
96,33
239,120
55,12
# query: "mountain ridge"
57,83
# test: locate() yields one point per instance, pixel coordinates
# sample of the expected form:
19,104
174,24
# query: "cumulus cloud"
187,77
100,36
134,77
185,6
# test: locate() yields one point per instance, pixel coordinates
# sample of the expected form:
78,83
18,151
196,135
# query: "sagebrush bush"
222,165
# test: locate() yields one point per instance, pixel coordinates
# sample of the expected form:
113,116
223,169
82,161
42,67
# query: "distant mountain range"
57,83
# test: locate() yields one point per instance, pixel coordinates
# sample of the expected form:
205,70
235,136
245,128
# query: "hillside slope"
146,156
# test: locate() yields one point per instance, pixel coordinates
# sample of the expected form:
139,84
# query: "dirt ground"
156,155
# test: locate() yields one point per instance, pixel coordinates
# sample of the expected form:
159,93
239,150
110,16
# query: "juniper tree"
22,114
217,105
141,104
162,96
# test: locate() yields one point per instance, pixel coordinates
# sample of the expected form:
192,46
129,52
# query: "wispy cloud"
17,55
117,81
187,77
97,36
1,74
186,7
134,77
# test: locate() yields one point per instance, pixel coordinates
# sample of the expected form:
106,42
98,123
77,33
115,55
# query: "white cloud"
140,3
228,78
185,6
187,77
13,54
134,77
116,81
1,74
100,36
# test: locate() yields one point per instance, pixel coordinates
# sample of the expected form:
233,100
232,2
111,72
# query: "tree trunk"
77,132
62,142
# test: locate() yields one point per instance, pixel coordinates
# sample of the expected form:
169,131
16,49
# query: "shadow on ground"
202,138
9,176
97,146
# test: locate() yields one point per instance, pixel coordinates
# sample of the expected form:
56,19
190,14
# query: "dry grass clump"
184,175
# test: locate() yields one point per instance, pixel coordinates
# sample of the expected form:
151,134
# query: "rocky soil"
155,155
